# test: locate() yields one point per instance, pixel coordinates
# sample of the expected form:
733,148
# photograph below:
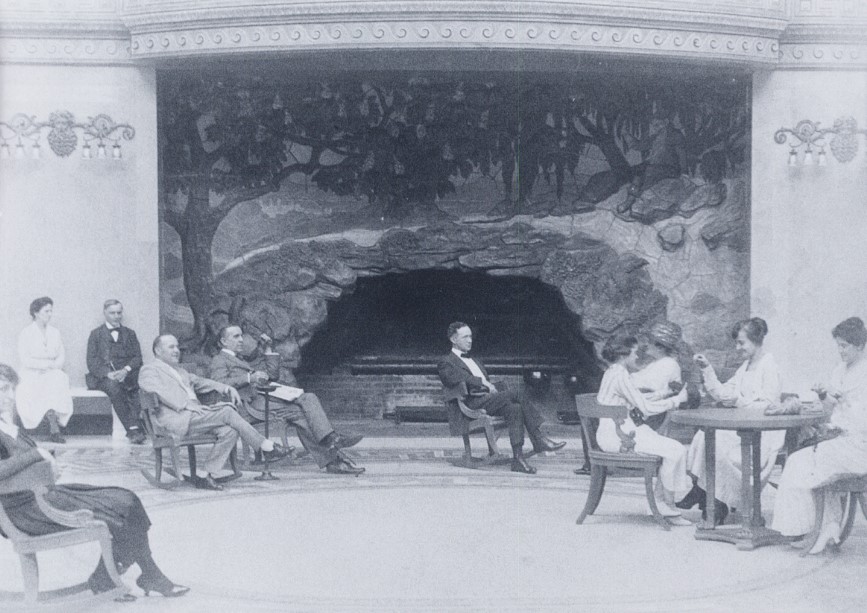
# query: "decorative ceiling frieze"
827,34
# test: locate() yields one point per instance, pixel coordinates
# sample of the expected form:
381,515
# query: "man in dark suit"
113,362
465,378
314,429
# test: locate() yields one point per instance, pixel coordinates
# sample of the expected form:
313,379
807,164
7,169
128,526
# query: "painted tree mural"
396,141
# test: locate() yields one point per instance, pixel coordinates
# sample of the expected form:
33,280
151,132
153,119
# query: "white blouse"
851,381
756,388
618,389
654,379
38,351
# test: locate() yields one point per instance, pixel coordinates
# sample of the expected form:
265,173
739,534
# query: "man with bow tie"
465,378
113,361
314,429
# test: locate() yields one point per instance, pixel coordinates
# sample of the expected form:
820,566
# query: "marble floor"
415,533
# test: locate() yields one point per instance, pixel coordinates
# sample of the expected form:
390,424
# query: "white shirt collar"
110,328
10,429
230,352
458,352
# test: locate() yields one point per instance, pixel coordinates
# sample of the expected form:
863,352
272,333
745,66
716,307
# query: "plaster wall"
80,230
809,223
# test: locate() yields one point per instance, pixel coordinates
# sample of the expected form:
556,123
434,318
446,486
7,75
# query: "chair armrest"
468,412
35,475
73,519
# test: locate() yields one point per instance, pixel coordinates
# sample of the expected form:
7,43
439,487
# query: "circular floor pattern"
415,547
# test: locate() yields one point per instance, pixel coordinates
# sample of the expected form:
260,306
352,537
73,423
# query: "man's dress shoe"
278,453
546,444
583,471
341,467
519,465
137,437
208,483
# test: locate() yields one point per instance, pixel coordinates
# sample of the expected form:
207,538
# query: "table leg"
710,478
757,519
752,532
266,475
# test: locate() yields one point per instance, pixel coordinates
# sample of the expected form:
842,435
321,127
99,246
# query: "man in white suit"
181,413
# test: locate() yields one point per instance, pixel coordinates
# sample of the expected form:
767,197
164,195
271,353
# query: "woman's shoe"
829,535
161,586
695,496
722,511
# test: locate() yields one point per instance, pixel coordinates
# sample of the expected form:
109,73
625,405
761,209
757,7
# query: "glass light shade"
793,158
115,152
36,151
86,152
5,153
100,151
808,157
822,158
19,151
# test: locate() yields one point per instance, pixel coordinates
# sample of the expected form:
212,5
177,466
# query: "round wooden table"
749,424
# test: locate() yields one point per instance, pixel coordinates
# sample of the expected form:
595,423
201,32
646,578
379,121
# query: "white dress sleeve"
724,392
625,388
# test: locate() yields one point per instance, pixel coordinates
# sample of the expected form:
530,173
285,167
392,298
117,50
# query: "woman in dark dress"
119,508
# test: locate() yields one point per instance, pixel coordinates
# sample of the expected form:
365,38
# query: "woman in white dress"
661,378
813,467
754,386
44,388
617,389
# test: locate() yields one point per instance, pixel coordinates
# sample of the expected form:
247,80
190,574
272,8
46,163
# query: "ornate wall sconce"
807,135
20,137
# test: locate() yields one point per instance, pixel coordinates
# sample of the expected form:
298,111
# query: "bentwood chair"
591,412
851,491
83,529
160,439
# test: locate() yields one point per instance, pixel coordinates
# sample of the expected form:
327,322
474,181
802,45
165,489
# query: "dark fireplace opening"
399,321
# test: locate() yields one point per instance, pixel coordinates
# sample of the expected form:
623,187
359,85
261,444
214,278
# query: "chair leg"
850,509
813,535
468,451
597,486
191,453
158,463
30,572
176,463
491,437
233,462
284,434
108,559
649,473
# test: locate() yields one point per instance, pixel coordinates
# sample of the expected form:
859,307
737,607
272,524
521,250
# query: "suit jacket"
104,355
233,370
176,408
458,381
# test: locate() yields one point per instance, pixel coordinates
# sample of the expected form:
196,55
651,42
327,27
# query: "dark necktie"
115,334
466,356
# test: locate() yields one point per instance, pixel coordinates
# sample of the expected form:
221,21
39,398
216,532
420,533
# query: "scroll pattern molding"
457,34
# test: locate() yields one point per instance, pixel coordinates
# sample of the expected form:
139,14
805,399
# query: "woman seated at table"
661,378
829,460
754,386
617,389
119,508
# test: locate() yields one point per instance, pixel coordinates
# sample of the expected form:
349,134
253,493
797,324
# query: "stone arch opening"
402,317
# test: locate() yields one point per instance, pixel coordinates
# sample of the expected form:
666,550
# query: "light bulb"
86,153
100,151
793,158
115,152
808,157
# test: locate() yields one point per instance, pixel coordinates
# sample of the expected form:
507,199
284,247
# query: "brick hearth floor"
415,533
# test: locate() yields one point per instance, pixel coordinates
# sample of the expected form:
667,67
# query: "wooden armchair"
83,529
591,412
161,439
464,421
